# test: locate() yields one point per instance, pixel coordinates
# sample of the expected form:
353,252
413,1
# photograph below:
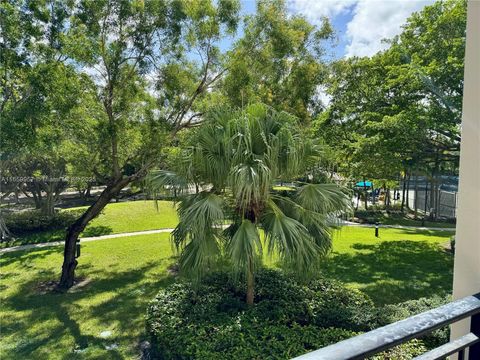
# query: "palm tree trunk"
250,284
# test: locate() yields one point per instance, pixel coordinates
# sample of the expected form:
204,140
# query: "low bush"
402,352
396,312
211,320
27,222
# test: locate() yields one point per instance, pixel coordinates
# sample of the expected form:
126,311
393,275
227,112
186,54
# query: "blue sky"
360,25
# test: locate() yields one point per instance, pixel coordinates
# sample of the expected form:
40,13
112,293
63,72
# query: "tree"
147,65
123,44
398,111
278,61
40,100
238,156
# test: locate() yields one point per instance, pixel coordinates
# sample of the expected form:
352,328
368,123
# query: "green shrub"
27,222
211,320
331,304
405,351
396,312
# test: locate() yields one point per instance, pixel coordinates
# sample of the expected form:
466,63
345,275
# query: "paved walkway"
167,230
85,239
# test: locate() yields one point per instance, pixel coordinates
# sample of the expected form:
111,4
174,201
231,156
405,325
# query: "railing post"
474,351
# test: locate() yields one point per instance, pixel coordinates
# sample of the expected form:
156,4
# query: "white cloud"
374,20
371,20
322,95
314,10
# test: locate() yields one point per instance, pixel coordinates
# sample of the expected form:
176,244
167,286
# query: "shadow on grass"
66,312
27,258
394,271
35,238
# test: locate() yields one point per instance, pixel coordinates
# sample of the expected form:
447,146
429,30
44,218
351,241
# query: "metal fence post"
474,350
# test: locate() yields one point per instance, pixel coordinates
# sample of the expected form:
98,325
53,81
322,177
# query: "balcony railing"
384,338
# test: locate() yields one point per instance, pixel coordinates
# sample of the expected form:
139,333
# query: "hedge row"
211,320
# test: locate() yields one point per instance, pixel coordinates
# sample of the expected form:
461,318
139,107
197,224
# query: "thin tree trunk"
37,198
407,203
403,192
49,201
415,200
437,198
426,201
432,197
69,262
388,199
365,194
250,284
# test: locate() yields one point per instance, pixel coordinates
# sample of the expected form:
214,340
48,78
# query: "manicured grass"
401,264
115,218
132,216
123,274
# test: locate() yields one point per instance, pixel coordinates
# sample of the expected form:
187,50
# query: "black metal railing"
384,338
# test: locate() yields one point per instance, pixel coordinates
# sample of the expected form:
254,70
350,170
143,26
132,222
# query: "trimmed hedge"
211,320
27,222
396,312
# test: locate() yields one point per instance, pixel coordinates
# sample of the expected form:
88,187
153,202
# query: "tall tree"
278,61
149,62
399,110
40,99
238,156
124,43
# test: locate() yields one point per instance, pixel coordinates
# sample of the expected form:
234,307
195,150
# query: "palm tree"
236,157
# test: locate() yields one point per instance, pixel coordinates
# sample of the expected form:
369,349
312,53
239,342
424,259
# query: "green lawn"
132,216
115,218
401,264
123,274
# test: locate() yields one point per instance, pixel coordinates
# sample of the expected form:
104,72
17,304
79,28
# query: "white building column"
466,277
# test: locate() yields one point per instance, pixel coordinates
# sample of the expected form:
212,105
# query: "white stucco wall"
467,256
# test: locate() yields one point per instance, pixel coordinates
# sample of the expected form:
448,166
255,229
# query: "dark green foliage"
211,320
396,312
332,304
27,222
403,352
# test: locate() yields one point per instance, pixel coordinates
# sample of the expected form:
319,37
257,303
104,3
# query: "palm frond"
198,213
289,238
159,181
244,245
250,184
323,198
199,254
198,233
